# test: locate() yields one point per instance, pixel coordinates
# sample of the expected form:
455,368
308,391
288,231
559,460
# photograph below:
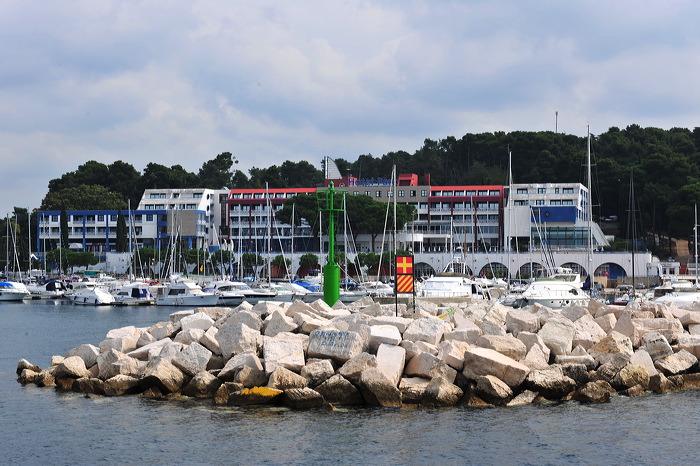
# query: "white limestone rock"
690,343
326,311
558,334
493,390
124,343
283,352
168,351
332,344
187,337
608,347
235,338
113,362
278,322
441,392
588,332
413,389
240,360
383,334
521,320
198,320
353,368
308,323
607,322
401,323
202,385
536,358
428,366
550,382
452,352
642,358
318,371
656,345
484,361
427,329
390,361
676,363
72,367
88,353
162,330
163,375
149,351
378,390
208,340
504,344
122,332
533,339
177,316
193,359
249,318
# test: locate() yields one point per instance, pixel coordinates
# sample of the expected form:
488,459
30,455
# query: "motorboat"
51,289
452,285
13,291
90,293
560,289
134,294
233,293
378,288
185,292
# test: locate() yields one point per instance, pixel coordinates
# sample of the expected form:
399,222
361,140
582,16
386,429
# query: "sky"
180,81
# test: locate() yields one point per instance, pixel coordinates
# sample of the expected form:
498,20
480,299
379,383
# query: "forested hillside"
663,163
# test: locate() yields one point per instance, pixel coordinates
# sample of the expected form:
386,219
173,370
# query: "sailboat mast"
589,204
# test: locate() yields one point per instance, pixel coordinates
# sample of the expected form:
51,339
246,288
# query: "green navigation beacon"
331,271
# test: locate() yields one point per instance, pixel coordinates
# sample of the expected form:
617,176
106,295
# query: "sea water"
42,426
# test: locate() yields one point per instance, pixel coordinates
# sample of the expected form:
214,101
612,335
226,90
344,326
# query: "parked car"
611,218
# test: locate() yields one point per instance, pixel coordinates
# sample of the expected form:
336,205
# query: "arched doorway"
576,268
531,270
494,270
421,269
610,270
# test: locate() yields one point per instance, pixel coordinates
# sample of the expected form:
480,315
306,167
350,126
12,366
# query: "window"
567,190
100,218
355,193
149,217
246,196
160,206
401,193
54,218
258,195
390,194
459,193
541,190
521,203
556,190
539,202
113,218
197,195
237,196
176,195
447,193
368,193
567,202
555,202
424,192
521,191
483,193
157,196
378,194
413,193
493,192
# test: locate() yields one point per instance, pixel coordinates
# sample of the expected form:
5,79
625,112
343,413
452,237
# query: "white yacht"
562,288
134,294
89,293
51,289
233,293
451,286
185,292
13,291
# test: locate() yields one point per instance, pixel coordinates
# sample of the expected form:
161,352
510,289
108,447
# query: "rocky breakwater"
311,355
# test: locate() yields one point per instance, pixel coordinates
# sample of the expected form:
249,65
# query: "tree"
83,197
122,244
216,173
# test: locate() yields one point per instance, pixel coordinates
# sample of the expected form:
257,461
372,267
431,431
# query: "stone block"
198,320
237,338
341,346
193,359
558,334
427,329
484,361
283,352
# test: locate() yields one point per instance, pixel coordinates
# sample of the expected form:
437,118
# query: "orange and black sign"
404,274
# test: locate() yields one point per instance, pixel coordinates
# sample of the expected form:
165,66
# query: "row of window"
542,202
544,191
171,207
175,195
480,192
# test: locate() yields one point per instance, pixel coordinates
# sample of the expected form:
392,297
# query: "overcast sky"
180,81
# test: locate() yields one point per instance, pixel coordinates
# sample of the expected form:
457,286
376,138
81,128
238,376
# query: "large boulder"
428,366
339,390
341,346
441,392
558,334
198,320
483,361
193,359
277,322
492,389
594,392
235,338
656,345
377,390
282,351
88,353
504,344
163,375
413,389
317,371
551,383
521,320
427,329
282,379
614,343
72,367
383,334
114,362
202,385
676,363
390,361
354,367
303,398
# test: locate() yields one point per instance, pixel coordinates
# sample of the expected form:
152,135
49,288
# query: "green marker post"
331,271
